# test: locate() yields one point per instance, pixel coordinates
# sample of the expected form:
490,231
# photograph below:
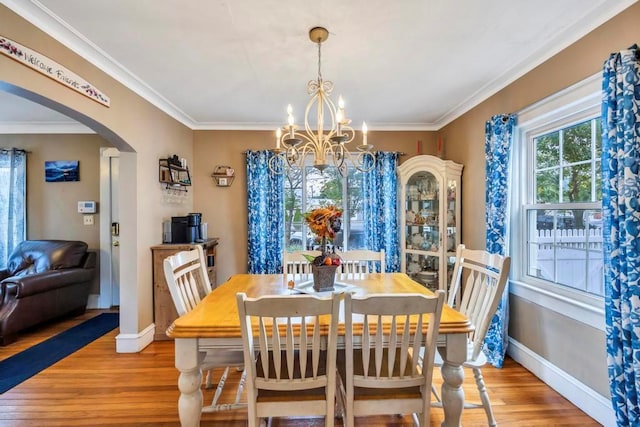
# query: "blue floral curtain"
13,205
621,230
265,204
498,146
380,186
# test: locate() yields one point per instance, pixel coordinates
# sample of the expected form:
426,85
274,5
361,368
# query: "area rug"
29,362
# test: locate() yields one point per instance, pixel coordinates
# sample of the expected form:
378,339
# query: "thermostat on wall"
87,206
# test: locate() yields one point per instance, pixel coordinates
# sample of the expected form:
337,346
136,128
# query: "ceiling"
236,64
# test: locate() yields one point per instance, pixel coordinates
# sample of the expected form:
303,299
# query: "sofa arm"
37,283
4,274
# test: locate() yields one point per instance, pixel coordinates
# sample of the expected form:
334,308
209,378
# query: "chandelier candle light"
326,145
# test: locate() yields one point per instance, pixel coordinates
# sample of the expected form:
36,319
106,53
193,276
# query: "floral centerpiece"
324,222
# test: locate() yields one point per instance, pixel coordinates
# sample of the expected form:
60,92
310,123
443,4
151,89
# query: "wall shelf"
223,176
173,175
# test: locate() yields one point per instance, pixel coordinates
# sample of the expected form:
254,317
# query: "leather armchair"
44,279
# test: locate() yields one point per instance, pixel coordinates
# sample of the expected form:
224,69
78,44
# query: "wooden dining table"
214,323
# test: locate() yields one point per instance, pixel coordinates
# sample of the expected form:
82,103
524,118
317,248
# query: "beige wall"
140,130
52,207
225,208
541,330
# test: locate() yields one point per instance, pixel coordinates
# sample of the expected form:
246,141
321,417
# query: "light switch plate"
88,219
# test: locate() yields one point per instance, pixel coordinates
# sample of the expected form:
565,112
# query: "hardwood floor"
97,386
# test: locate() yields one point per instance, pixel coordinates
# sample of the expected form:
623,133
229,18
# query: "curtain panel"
498,148
13,201
380,210
621,229
265,205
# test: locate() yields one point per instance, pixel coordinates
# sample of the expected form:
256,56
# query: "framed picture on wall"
61,170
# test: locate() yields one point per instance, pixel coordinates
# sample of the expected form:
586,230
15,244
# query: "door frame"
106,270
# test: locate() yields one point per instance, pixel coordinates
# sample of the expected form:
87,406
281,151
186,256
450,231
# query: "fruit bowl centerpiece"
324,222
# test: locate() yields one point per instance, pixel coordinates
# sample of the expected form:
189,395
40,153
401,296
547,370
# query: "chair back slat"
481,277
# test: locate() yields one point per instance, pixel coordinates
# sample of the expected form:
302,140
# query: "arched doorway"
128,310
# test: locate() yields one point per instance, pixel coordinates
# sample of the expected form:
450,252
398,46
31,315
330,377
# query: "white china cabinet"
429,219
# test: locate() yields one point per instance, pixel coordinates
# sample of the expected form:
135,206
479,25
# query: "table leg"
189,382
454,354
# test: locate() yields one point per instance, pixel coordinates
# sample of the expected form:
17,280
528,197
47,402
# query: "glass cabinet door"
429,208
422,228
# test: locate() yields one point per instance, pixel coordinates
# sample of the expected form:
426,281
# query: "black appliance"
193,227
186,229
179,229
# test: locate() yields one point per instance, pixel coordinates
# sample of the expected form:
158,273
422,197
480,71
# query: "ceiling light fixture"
293,146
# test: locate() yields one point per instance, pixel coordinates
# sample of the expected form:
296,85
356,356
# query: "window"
13,200
308,188
556,228
563,217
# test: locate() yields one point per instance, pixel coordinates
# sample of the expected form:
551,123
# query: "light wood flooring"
97,386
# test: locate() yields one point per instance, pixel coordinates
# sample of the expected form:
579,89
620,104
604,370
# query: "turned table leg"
189,382
454,354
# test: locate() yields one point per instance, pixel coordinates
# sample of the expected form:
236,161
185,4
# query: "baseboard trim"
592,403
135,343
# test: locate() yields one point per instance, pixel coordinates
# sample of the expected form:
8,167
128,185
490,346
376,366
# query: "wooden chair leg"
484,397
209,380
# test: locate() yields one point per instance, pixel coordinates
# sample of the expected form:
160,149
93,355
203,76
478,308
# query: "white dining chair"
481,277
296,265
290,372
362,261
378,368
186,276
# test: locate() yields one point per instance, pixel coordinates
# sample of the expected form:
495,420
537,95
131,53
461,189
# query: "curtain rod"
4,149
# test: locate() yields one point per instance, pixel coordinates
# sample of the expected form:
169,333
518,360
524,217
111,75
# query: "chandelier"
328,146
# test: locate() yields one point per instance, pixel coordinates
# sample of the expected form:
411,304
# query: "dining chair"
362,261
378,368
186,276
290,371
296,265
481,277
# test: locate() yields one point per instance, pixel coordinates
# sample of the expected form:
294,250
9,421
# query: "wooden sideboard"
164,312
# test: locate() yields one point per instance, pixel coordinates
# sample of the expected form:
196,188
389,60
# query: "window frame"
576,103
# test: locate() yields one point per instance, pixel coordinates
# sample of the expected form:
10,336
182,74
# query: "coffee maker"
187,229
193,227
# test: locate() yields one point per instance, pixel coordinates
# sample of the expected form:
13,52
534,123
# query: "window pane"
577,143
354,215
547,187
562,252
293,232
547,149
576,183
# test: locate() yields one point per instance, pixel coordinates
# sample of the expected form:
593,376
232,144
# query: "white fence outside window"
570,257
